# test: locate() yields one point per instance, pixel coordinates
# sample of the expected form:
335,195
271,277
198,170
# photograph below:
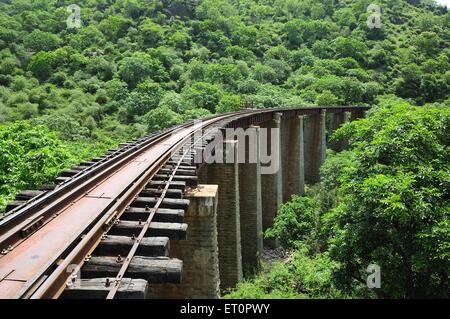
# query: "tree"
392,211
31,155
41,64
294,221
173,101
101,68
326,98
181,40
160,118
114,27
202,95
229,103
350,48
140,67
192,114
408,85
226,74
116,89
152,33
428,43
41,41
145,98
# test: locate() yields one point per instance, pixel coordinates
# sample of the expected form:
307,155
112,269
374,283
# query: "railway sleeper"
161,184
172,203
155,192
174,231
28,194
184,167
60,179
121,245
47,188
98,288
14,205
153,269
180,171
190,181
162,215
87,164
184,162
69,173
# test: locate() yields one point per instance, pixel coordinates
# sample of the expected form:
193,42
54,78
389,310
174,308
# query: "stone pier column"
199,253
271,180
226,176
357,114
315,146
292,142
338,119
250,201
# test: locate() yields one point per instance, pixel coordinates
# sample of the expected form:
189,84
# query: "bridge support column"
226,176
271,181
293,157
250,201
357,114
338,119
199,253
315,146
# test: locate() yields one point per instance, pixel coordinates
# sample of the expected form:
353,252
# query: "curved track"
50,233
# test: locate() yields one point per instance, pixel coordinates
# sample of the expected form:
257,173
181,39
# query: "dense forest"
76,80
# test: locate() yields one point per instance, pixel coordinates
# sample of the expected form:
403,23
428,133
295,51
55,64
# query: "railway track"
111,218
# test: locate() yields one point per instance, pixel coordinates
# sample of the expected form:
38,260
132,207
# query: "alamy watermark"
74,19
253,145
374,19
374,279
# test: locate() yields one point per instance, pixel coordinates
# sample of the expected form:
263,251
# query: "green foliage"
140,67
29,156
302,277
203,95
395,198
229,103
160,118
41,41
294,221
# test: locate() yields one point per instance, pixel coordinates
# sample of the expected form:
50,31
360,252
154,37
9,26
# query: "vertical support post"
226,176
199,253
250,198
293,157
301,145
315,146
338,119
271,182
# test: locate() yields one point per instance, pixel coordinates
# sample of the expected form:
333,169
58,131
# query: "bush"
294,221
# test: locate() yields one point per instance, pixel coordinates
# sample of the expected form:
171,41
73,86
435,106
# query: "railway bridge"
178,214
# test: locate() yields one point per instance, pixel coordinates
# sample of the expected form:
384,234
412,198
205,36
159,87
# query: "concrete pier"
315,146
199,252
250,201
271,184
293,157
226,176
